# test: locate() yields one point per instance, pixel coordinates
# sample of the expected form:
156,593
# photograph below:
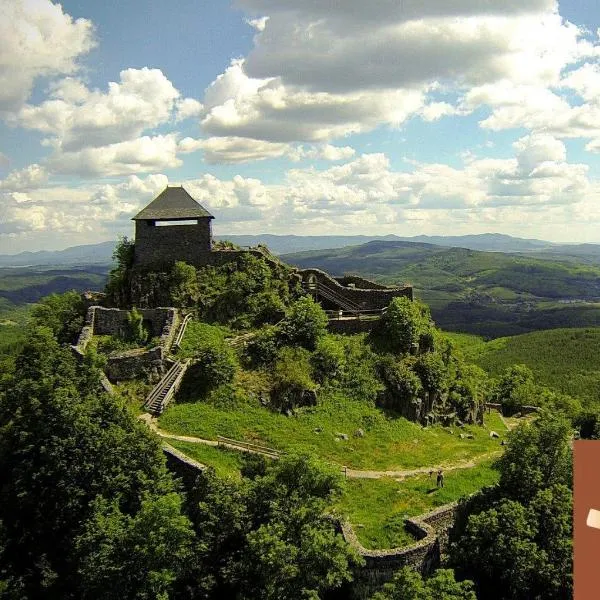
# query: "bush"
62,313
304,324
184,288
328,359
262,348
215,362
402,385
405,327
292,382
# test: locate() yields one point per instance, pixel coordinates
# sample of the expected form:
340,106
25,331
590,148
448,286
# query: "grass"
226,463
376,508
563,359
389,443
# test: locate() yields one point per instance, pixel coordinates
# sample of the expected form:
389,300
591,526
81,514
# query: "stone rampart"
183,466
360,282
365,299
349,326
431,531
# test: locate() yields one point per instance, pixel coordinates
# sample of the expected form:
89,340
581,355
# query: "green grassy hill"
486,293
567,360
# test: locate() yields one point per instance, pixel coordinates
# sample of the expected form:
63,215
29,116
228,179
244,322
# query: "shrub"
304,324
328,359
292,383
262,348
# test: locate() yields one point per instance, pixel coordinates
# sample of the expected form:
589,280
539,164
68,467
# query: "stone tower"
172,227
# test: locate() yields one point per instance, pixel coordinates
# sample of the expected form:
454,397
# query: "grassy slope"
388,444
488,293
377,508
564,359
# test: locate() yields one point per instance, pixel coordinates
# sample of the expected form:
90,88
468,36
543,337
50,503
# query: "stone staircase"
166,388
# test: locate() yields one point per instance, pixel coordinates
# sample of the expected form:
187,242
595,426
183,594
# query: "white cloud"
37,39
140,155
77,117
30,177
320,70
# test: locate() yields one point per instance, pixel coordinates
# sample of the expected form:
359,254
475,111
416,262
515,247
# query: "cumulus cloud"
363,194
321,70
76,117
134,156
37,39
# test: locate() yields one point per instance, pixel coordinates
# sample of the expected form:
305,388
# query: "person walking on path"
440,479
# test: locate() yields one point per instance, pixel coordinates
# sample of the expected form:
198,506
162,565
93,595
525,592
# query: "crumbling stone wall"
430,530
133,364
374,298
360,282
141,362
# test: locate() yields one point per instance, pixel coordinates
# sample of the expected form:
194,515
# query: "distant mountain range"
284,244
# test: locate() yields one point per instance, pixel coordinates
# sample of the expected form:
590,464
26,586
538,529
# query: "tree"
292,382
408,584
514,540
118,287
268,537
184,288
406,326
66,448
62,313
515,389
136,332
538,456
304,324
402,385
328,360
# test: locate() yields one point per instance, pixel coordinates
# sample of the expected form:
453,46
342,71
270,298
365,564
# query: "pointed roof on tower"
172,204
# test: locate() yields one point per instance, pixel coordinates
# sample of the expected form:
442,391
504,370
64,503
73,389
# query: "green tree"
136,332
304,324
402,385
268,537
515,540
515,389
184,288
64,446
118,287
406,326
292,382
408,584
62,313
329,359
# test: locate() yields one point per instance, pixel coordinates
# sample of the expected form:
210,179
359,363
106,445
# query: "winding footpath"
350,473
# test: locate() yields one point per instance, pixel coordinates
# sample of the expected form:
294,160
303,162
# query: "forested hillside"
487,293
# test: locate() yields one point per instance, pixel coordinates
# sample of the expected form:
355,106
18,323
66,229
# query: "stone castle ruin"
175,227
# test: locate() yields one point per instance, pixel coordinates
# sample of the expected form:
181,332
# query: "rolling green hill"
567,360
486,293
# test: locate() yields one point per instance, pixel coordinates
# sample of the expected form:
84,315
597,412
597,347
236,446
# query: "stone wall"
431,531
163,245
141,362
360,282
365,299
351,326
148,364
183,466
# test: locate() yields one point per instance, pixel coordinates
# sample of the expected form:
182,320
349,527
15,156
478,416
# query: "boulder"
493,434
342,436
359,433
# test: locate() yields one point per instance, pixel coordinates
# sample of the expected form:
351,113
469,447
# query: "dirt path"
351,473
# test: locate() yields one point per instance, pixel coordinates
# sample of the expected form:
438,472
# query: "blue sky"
303,117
